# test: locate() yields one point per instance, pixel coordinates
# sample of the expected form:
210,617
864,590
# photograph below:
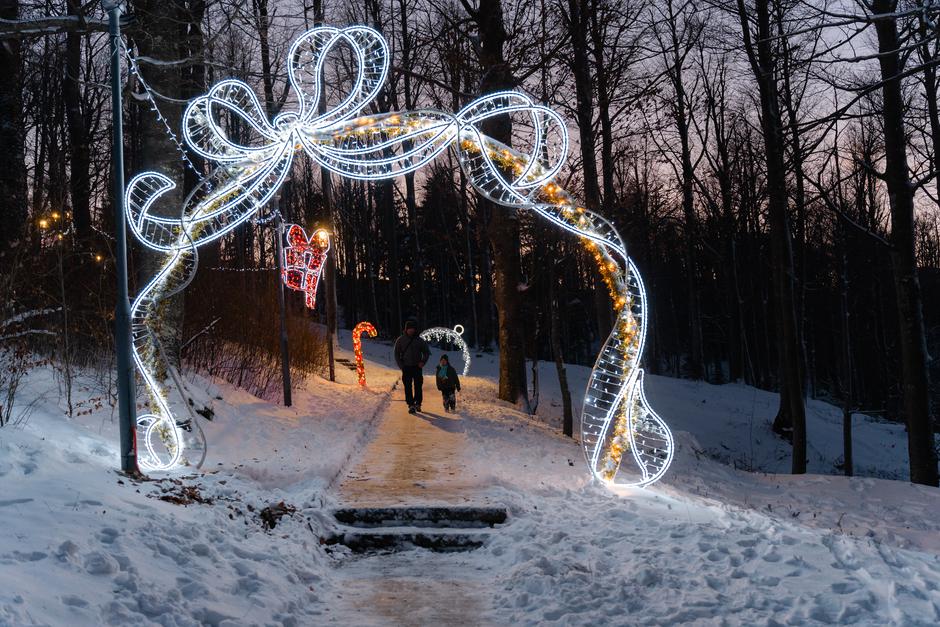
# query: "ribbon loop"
229,105
306,66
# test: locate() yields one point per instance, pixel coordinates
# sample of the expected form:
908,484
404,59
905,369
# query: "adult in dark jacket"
448,383
411,353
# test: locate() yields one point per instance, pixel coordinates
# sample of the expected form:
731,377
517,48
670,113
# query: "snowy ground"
710,544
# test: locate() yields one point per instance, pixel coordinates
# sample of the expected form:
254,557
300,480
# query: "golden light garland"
612,275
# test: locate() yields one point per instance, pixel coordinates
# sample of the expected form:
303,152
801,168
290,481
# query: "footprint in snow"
98,563
845,587
73,601
30,556
108,535
11,502
772,557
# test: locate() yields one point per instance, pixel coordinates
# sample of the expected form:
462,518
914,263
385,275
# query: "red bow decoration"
303,260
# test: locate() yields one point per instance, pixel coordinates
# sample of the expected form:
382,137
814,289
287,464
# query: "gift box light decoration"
303,261
454,336
358,330
624,441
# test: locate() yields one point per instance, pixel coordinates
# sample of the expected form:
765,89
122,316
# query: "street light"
127,414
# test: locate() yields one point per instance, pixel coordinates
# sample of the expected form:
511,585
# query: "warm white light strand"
148,92
382,146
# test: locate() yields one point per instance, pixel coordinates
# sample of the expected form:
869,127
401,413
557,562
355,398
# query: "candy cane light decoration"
624,441
358,330
454,336
302,261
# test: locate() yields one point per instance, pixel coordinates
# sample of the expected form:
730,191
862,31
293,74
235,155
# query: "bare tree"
757,43
502,222
12,133
921,448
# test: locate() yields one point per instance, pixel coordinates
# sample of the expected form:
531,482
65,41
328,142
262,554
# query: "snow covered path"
413,460
416,587
750,552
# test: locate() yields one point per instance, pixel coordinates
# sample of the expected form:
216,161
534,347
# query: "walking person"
411,353
448,383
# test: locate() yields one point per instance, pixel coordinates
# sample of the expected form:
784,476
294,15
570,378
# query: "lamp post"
127,413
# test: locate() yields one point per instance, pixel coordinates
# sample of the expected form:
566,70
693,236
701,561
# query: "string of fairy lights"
134,68
616,417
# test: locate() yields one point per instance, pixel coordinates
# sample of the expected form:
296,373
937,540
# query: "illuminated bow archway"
624,441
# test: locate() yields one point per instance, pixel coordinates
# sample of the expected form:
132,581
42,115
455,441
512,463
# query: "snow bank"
712,543
82,545
708,545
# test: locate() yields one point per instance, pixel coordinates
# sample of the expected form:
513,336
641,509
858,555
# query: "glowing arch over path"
624,441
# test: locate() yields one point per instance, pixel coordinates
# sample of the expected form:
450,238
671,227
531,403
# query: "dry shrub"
233,332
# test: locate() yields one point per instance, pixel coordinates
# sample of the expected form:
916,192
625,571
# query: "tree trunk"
928,58
792,411
920,437
79,144
503,226
604,89
578,17
158,38
555,304
677,47
411,201
578,25
12,134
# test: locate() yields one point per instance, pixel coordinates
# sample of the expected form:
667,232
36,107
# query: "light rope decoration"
358,330
615,417
134,68
303,260
454,336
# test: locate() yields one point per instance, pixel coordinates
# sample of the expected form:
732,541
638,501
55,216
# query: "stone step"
405,538
453,517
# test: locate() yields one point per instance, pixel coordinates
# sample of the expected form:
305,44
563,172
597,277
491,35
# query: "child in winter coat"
447,383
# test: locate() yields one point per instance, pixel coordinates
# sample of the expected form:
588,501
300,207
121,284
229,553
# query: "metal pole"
127,412
285,354
331,312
